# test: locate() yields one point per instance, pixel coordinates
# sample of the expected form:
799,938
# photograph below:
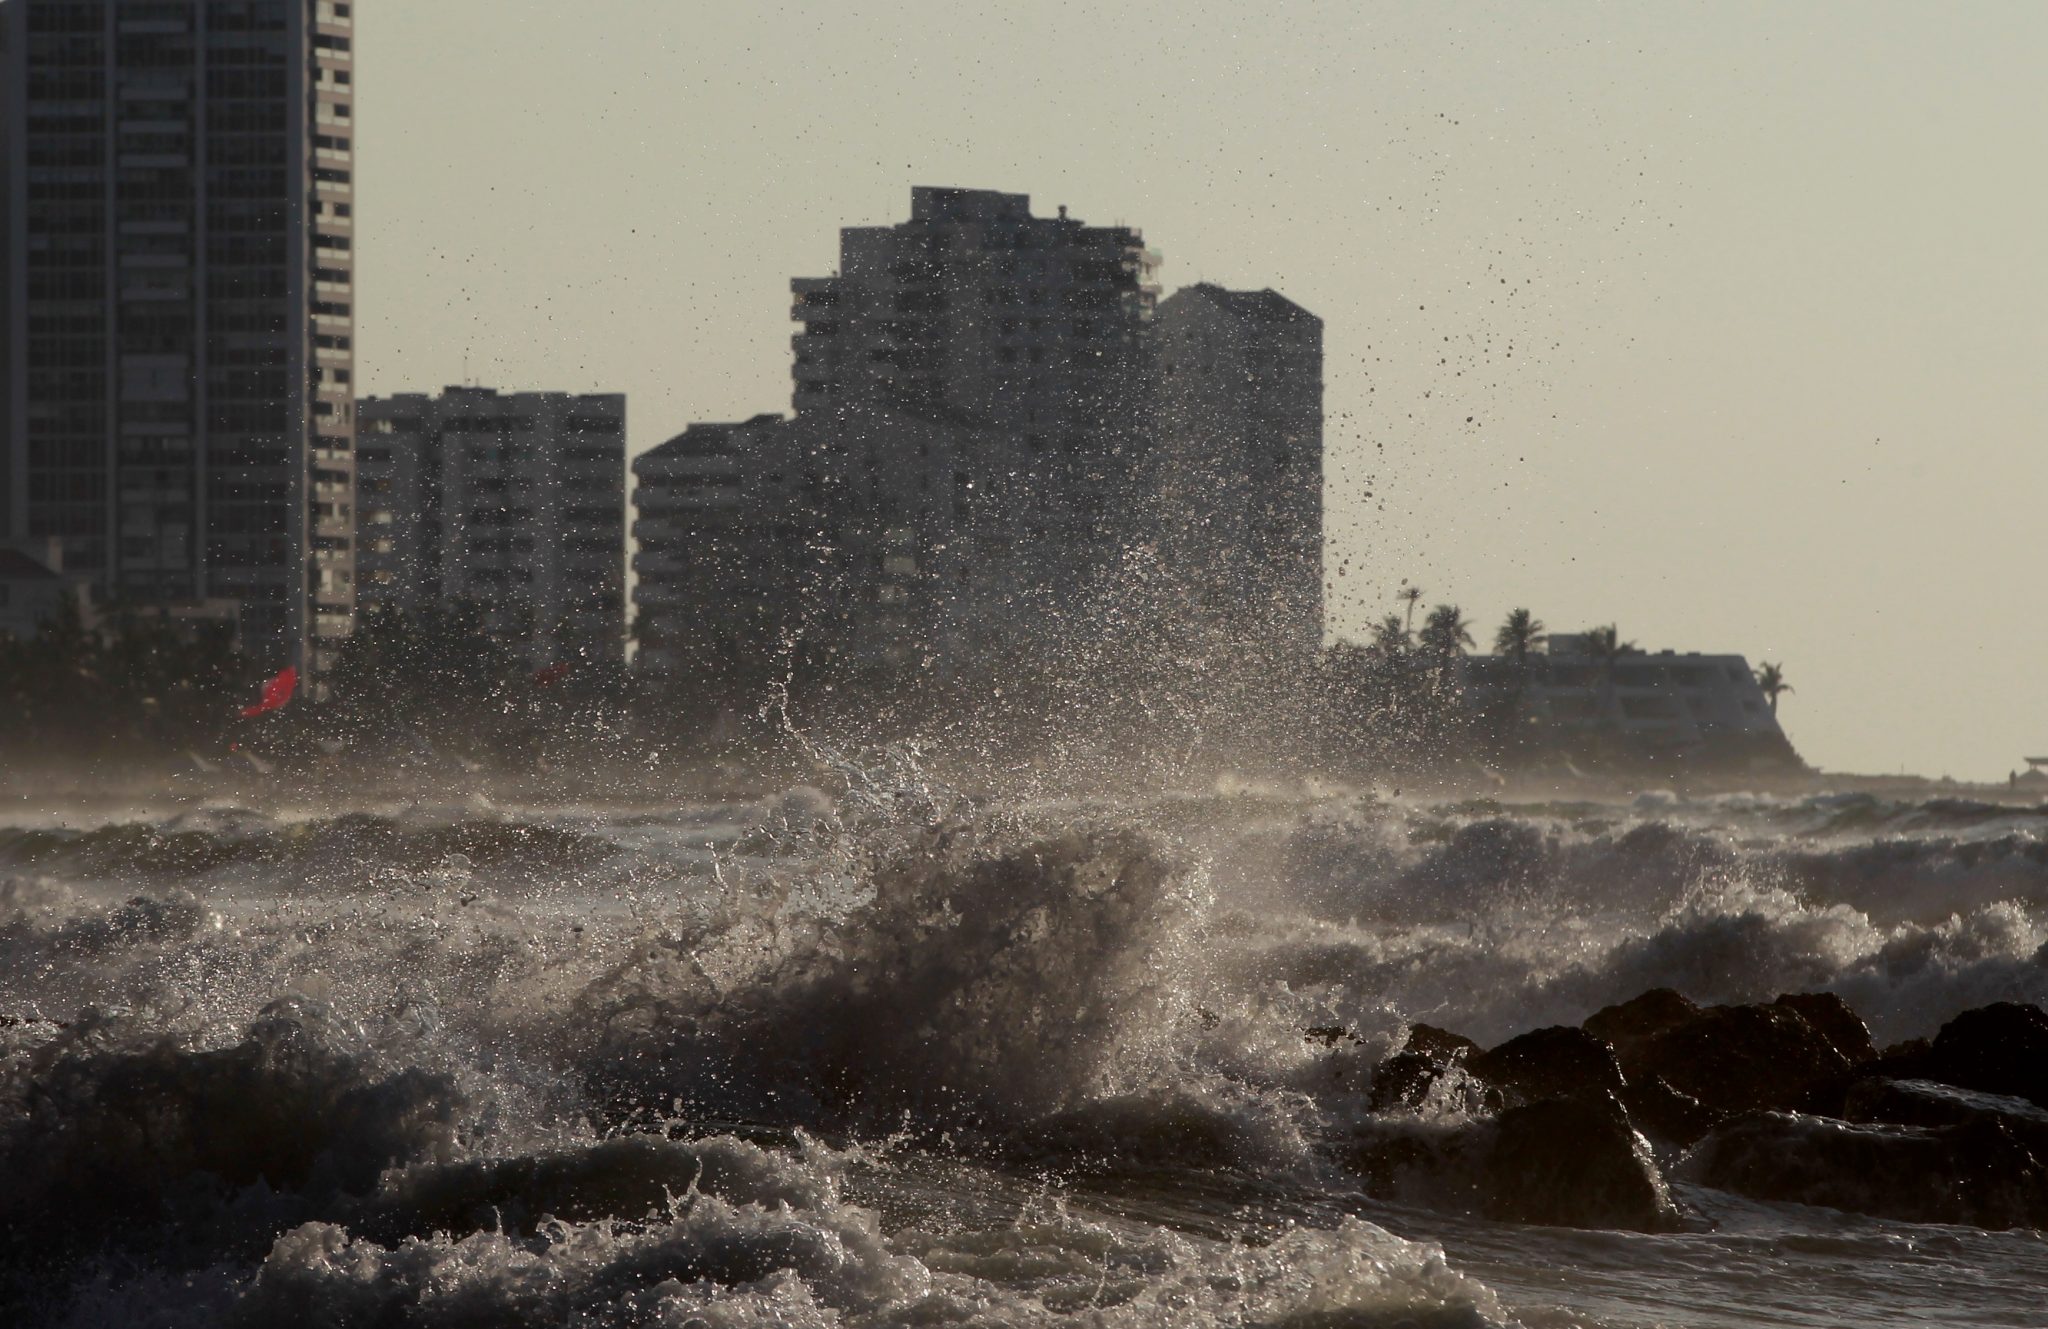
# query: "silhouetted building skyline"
972,465
180,305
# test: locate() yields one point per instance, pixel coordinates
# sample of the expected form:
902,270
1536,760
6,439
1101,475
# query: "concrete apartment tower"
513,503
718,549
966,391
1238,465
178,400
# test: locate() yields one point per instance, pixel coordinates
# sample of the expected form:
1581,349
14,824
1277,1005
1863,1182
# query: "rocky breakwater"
1952,1131
1784,1101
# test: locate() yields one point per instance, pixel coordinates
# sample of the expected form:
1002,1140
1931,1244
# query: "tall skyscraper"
1237,459
975,311
179,408
512,503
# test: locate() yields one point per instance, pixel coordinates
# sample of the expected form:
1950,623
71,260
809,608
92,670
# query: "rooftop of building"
952,203
706,435
1577,644
1264,306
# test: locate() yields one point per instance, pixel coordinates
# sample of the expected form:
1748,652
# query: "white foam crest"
746,1263
1055,1267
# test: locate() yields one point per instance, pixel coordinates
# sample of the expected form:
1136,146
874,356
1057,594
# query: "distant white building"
514,503
1667,701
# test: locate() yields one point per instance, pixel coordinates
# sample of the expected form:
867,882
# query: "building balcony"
687,507
676,595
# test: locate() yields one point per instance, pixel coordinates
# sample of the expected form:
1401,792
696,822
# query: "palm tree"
1411,595
1517,637
1390,638
1445,634
1605,645
1771,678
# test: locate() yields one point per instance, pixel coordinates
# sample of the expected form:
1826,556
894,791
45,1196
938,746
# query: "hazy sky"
1727,323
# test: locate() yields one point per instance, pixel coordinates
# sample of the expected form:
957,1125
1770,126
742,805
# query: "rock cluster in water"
1785,1101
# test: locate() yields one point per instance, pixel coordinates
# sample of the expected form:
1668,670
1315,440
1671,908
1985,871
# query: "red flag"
553,674
276,693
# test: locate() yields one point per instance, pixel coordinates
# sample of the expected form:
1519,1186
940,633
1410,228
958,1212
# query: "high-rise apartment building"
1237,460
975,311
511,503
180,303
718,548
1002,456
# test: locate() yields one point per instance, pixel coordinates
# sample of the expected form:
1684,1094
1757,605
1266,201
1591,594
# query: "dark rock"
1558,1062
1837,1023
1404,1080
1979,1172
1413,1163
1736,1059
1927,1103
1664,1113
1643,1017
1432,1041
1996,1049
1574,1163
1560,1162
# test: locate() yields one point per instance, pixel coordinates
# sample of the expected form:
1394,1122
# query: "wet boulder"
1996,1049
1979,1172
1641,1018
1574,1162
1441,1043
1554,1063
1669,1114
1403,1081
1736,1059
1836,1021
1559,1162
1928,1103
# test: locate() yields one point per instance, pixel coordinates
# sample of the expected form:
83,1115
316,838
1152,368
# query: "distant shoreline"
54,787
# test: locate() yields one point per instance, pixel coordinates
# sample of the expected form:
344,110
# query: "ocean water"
886,1055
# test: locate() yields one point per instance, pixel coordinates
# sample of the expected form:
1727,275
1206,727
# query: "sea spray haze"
879,1053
